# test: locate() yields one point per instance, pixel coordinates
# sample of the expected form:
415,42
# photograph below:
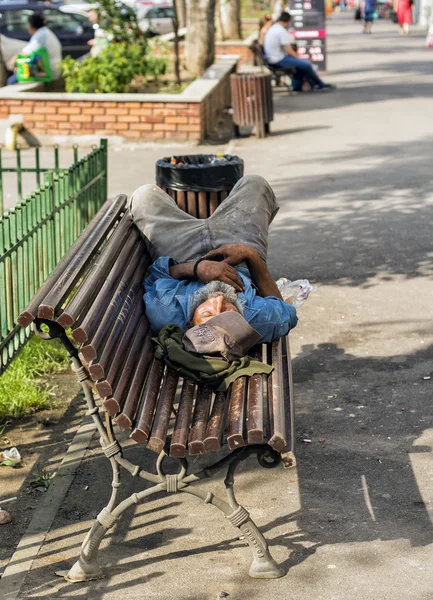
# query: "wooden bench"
279,74
93,303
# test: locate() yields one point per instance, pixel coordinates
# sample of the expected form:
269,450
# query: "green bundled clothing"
216,372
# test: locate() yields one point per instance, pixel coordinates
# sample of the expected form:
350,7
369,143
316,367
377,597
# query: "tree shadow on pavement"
351,93
368,216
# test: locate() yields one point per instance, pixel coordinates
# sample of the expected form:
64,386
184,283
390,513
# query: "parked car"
156,19
77,7
73,30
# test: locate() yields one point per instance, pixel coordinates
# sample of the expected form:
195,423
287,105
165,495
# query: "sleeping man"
209,276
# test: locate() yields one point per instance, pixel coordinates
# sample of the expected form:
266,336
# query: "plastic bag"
199,172
34,67
10,458
295,292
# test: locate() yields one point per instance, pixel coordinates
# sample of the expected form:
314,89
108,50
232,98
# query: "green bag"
34,67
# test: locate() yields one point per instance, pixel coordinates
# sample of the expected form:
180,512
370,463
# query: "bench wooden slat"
277,435
97,273
236,413
130,282
128,314
90,238
199,420
288,398
120,386
183,420
124,419
255,403
255,409
87,325
215,426
158,434
132,331
77,264
147,408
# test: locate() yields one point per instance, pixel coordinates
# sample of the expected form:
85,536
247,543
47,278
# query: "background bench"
93,302
280,76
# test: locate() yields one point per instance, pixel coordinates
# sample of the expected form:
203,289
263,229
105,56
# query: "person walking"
369,9
279,53
403,8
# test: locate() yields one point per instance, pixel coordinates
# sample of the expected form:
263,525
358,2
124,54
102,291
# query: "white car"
156,19
77,7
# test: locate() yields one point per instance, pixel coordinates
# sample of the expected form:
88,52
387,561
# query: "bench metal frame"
86,568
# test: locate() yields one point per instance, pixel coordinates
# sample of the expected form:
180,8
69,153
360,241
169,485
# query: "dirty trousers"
243,218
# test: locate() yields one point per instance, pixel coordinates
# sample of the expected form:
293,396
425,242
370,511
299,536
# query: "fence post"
52,231
104,166
19,173
2,206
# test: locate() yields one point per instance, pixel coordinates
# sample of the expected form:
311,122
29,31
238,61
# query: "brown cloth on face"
228,334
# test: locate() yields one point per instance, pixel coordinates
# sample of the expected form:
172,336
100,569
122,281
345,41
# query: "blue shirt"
169,300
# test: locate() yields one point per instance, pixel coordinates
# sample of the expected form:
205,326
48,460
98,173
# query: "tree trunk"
3,74
230,19
176,44
200,35
181,12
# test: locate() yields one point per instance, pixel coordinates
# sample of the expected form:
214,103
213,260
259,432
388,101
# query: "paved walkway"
352,171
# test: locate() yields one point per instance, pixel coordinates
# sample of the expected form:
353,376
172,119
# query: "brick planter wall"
191,115
246,57
151,120
239,48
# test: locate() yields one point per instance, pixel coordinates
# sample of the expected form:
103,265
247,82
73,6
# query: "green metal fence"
38,231
21,169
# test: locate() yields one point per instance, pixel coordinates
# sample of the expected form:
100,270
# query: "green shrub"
128,55
112,70
21,389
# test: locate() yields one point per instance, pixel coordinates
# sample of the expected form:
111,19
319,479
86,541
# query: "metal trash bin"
252,101
201,183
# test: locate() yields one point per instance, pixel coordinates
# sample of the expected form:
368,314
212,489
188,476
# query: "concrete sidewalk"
352,172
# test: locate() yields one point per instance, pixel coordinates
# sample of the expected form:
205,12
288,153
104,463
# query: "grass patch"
23,389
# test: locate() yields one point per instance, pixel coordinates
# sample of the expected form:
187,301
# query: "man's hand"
232,254
209,270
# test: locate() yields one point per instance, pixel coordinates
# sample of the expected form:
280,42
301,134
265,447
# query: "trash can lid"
199,172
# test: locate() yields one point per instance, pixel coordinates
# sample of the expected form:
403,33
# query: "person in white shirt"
42,37
279,53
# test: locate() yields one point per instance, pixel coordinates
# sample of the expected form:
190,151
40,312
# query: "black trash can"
198,183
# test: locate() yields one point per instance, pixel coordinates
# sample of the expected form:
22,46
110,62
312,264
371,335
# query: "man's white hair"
210,289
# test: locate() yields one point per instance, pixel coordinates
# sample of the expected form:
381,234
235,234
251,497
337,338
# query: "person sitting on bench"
206,267
280,54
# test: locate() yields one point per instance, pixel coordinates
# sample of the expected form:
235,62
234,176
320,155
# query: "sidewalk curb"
31,542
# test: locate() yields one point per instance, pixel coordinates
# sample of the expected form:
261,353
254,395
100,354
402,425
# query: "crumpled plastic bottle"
10,457
295,292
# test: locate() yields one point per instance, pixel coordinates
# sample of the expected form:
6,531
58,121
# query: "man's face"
93,17
212,307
